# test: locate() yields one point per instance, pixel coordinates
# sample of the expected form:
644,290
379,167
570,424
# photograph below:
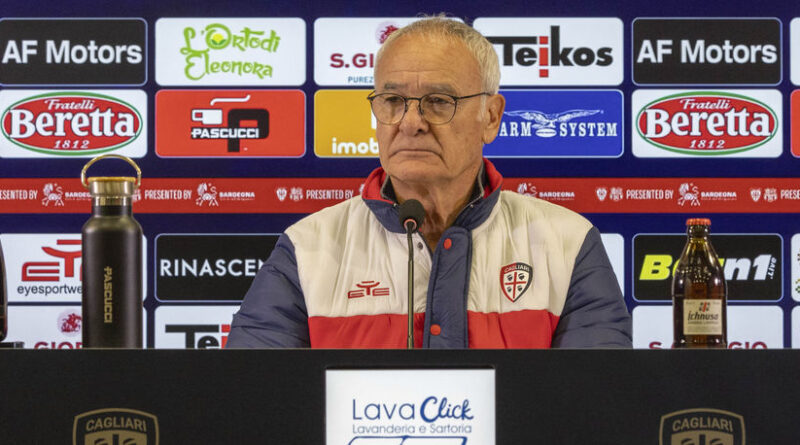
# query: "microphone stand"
410,288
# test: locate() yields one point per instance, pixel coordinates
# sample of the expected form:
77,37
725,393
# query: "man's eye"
392,100
439,100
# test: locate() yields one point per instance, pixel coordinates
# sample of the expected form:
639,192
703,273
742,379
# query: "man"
494,269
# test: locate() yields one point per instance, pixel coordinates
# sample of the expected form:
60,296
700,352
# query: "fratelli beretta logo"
115,426
702,426
230,51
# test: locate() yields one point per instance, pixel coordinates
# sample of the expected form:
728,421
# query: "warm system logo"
73,51
115,426
702,426
560,123
343,124
707,51
736,123
73,123
556,51
228,51
230,123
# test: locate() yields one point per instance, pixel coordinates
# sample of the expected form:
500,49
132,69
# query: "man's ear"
495,105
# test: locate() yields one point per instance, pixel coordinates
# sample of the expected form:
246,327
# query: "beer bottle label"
702,317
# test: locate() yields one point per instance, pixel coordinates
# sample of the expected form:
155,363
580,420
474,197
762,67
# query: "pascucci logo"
71,123
706,123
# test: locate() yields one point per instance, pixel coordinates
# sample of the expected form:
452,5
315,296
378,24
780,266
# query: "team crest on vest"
515,279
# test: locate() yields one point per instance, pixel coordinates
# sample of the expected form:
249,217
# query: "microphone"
411,215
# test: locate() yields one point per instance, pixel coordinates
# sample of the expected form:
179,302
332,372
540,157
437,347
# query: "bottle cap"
112,190
698,222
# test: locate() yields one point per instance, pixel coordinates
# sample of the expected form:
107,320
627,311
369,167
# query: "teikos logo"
73,123
223,51
193,327
73,51
345,48
556,51
208,267
676,123
752,264
707,51
115,426
702,426
230,123
560,123
344,126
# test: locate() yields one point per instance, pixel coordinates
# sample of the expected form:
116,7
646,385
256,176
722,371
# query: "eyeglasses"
436,108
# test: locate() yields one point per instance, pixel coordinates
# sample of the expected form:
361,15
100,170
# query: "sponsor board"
615,248
752,264
345,48
795,117
208,267
58,51
556,51
193,327
46,268
749,327
673,51
413,407
560,123
794,48
795,259
230,51
344,126
51,123
230,123
729,123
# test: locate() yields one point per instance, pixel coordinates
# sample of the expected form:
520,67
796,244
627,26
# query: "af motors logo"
345,48
210,267
193,327
58,124
560,123
73,51
749,327
344,126
556,51
46,327
702,426
116,426
752,264
230,123
731,123
225,51
669,51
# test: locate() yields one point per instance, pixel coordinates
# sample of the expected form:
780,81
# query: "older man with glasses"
494,269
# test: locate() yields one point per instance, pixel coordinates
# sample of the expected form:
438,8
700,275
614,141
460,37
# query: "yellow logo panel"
343,125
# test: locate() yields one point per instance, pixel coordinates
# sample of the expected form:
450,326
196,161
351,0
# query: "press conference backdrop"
246,116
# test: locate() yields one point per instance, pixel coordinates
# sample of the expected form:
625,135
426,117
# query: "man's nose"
413,121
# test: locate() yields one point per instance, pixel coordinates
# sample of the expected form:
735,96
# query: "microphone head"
411,215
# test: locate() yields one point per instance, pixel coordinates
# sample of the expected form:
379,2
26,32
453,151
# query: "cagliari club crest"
115,426
702,426
515,279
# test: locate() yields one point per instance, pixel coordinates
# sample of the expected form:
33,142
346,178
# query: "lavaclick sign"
73,52
707,51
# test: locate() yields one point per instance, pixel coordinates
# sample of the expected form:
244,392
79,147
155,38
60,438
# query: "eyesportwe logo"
675,123
73,51
368,289
556,51
707,51
230,123
40,123
226,51
752,264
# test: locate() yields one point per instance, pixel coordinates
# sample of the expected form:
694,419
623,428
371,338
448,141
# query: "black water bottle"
112,263
3,298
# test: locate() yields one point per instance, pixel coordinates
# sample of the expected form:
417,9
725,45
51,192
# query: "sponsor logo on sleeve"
193,327
735,123
702,426
230,123
707,51
556,51
73,51
208,267
560,123
225,51
115,426
752,264
43,123
344,126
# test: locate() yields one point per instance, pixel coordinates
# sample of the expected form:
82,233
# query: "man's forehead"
437,87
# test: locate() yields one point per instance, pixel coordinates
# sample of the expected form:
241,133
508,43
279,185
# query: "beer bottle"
699,293
112,263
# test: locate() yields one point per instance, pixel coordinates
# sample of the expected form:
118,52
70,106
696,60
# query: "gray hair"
442,26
